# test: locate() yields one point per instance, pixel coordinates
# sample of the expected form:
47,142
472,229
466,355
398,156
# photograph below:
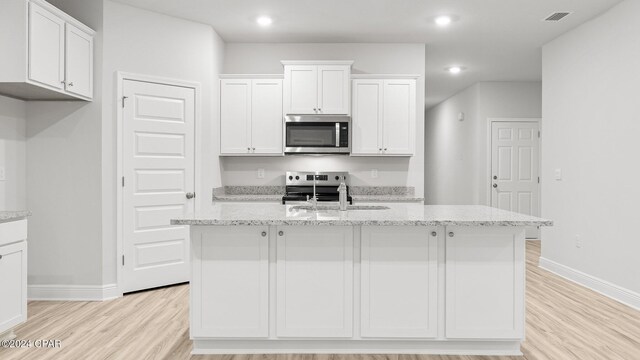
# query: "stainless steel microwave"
317,134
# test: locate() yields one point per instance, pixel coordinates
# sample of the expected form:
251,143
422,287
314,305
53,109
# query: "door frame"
488,179
121,77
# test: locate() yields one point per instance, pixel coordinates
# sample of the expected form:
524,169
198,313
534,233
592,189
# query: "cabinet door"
46,47
333,89
79,62
314,281
485,283
399,282
235,116
399,117
366,132
266,116
230,282
301,89
13,282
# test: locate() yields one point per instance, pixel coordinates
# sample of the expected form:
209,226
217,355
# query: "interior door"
46,47
158,168
515,168
79,65
266,116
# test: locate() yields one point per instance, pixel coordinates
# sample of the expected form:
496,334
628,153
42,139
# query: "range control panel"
305,178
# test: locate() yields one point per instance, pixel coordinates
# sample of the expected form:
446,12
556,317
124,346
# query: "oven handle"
337,134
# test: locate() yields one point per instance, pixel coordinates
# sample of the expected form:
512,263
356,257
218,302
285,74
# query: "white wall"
243,58
590,131
63,177
148,43
13,149
456,151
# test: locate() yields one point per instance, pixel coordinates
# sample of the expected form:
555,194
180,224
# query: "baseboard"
72,292
603,287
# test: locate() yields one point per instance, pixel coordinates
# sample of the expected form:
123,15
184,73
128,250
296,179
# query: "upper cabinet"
384,116
317,87
250,115
51,53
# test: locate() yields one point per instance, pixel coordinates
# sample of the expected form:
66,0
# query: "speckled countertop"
275,193
6,216
224,214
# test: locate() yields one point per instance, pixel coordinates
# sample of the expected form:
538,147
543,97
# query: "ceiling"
496,40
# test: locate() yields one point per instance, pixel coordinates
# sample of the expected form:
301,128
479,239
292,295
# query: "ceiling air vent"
557,16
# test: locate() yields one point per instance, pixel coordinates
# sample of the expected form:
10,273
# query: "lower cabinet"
230,282
399,282
484,283
314,282
13,284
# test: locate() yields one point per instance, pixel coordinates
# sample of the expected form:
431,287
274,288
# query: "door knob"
495,186
190,195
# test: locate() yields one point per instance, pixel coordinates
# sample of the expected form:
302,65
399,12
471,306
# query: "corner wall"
456,151
13,152
590,132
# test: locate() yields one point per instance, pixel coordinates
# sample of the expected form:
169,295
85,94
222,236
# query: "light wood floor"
564,321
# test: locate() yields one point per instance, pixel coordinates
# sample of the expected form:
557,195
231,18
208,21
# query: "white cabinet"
384,117
13,274
399,282
51,53
251,116
314,283
230,282
317,87
485,283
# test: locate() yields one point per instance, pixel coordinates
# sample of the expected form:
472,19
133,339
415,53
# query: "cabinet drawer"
13,231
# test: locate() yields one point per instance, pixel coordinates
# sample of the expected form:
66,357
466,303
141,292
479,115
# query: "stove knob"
290,177
297,177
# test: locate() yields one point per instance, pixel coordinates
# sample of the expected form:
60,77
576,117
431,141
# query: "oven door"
315,138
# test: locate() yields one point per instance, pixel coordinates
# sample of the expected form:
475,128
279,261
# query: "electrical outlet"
260,173
374,173
3,174
578,241
558,174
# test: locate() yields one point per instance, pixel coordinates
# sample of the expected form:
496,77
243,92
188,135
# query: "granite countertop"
224,214
275,193
6,216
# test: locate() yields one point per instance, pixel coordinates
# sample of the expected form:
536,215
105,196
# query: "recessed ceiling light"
443,20
455,69
264,20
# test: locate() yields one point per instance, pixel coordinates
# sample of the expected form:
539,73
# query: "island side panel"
485,282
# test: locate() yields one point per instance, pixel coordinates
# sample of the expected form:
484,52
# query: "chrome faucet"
314,200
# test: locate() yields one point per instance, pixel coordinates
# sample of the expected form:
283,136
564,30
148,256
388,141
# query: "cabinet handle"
248,149
62,82
264,233
319,109
379,149
280,233
451,234
71,83
433,233
385,149
254,149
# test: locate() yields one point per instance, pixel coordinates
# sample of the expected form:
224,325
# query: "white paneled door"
515,168
158,183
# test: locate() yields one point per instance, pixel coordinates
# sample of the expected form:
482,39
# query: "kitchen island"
407,278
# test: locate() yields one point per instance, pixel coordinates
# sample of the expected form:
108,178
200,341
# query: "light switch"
374,173
558,174
3,175
260,173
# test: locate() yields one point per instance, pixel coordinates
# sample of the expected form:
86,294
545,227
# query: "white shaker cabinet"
314,281
485,282
13,274
230,282
317,87
51,53
399,283
384,116
251,116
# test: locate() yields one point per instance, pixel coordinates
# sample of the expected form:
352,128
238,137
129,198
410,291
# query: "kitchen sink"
336,207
